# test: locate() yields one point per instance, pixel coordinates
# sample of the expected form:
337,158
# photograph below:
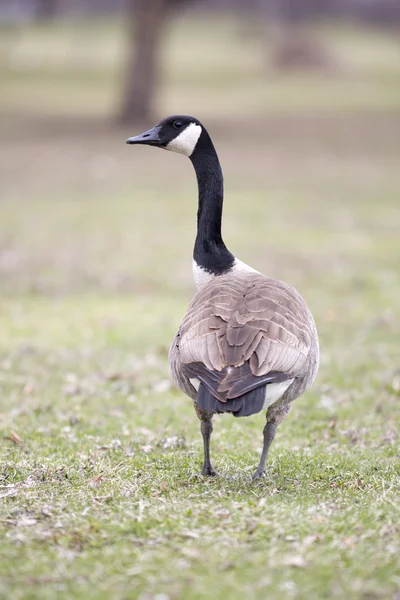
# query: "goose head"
178,133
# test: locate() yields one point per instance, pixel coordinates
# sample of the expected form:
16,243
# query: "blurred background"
302,99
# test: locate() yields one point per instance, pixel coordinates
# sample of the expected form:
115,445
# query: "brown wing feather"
247,317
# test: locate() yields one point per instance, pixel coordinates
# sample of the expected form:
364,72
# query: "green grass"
101,499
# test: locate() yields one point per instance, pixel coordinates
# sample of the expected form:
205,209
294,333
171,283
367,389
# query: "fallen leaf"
190,534
113,376
14,437
29,387
96,480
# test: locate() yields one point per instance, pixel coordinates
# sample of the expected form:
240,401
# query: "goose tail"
248,404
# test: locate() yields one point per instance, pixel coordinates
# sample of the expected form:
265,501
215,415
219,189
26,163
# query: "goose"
247,342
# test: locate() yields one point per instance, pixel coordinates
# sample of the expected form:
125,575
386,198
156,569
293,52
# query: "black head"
179,133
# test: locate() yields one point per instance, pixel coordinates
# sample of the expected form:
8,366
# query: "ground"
99,490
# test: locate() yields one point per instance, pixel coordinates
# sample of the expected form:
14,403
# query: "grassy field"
99,491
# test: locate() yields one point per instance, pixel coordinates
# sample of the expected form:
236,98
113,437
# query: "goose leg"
206,428
269,434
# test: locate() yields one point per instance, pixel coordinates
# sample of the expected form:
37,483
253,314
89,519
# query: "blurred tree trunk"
147,19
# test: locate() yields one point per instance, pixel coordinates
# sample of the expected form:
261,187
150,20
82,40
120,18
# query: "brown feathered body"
244,330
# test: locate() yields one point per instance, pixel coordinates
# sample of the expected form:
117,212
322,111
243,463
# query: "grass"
99,454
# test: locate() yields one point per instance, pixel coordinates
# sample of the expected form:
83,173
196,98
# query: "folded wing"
241,332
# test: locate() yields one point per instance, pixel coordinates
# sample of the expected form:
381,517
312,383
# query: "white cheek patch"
186,141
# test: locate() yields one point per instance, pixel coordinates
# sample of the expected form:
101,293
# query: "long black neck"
210,252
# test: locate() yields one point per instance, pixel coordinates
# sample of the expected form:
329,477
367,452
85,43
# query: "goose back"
243,330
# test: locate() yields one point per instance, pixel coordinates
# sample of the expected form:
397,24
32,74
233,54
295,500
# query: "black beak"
150,137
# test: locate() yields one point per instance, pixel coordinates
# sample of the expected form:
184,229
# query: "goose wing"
242,331
180,377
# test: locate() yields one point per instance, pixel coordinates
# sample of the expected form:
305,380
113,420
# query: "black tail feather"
244,406
231,382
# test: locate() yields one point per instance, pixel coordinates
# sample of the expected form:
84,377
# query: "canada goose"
247,341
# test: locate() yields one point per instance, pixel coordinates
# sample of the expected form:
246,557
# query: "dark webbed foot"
208,471
259,474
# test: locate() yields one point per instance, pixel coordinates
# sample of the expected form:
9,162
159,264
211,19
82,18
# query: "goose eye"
177,124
